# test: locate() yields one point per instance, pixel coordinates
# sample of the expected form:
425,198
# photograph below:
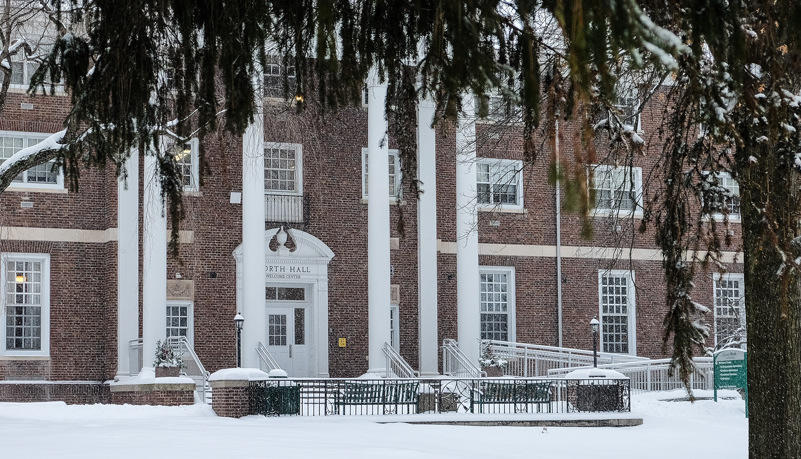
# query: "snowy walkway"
670,430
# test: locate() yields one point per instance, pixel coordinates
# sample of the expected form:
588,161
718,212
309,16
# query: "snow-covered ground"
670,430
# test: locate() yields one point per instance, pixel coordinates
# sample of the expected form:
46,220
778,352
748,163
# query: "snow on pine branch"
53,142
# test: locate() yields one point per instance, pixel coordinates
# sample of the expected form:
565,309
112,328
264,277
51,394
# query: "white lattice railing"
529,360
397,367
455,363
652,375
267,361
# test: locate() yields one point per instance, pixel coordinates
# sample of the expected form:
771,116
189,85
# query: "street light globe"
239,321
594,324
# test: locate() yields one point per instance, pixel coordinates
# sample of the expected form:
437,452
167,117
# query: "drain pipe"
558,236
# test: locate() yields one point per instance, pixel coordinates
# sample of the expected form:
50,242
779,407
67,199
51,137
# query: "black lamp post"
594,324
239,321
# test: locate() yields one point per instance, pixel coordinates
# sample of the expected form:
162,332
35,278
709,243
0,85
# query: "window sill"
23,357
722,218
503,210
605,213
23,89
392,202
23,189
194,193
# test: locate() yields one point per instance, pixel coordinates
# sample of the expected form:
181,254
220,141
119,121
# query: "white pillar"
378,266
154,263
467,277
127,262
253,243
427,323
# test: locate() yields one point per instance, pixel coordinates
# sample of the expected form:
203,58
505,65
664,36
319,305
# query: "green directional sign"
731,372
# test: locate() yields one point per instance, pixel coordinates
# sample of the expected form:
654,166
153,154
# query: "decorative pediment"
292,245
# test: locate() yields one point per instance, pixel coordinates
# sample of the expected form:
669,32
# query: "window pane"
300,326
23,306
615,309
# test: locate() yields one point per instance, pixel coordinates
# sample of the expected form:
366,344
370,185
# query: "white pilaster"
253,275
467,277
428,344
154,262
378,261
127,262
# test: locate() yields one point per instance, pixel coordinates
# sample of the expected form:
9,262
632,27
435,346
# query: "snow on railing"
530,360
267,361
652,375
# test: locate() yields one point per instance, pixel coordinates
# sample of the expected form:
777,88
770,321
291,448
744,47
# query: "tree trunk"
773,299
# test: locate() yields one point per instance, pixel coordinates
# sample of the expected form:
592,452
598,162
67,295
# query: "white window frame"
597,170
625,101
726,181
272,73
394,326
498,175
716,278
511,319
631,307
190,319
394,160
26,138
194,163
298,148
44,259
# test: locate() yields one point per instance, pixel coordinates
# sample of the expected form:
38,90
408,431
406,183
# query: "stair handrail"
397,367
266,358
455,363
181,345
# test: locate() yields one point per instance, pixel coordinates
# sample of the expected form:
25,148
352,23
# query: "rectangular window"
616,298
187,159
286,294
497,303
26,305
283,168
729,310
616,189
24,66
179,320
394,174
628,105
276,330
727,195
394,336
41,176
499,183
276,73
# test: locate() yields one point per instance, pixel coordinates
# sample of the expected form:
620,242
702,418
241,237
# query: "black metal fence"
323,397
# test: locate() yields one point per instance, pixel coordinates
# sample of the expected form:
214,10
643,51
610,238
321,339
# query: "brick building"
85,273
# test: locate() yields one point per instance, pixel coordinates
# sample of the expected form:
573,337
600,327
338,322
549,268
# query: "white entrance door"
287,331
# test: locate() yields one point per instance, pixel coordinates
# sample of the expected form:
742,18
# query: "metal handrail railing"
455,363
193,368
397,367
267,360
135,356
654,375
529,360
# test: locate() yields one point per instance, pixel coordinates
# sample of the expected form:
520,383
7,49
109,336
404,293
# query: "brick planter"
155,393
231,398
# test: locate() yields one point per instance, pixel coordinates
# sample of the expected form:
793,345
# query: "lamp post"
594,325
239,321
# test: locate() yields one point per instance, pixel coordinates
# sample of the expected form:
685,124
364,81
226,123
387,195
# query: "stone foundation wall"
165,394
73,393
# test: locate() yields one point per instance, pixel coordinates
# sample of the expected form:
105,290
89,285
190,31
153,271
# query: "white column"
253,243
378,266
127,262
467,278
427,323
154,263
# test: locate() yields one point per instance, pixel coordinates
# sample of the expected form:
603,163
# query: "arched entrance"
296,300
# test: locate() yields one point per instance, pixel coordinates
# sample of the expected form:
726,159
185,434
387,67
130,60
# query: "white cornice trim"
22,233
549,251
